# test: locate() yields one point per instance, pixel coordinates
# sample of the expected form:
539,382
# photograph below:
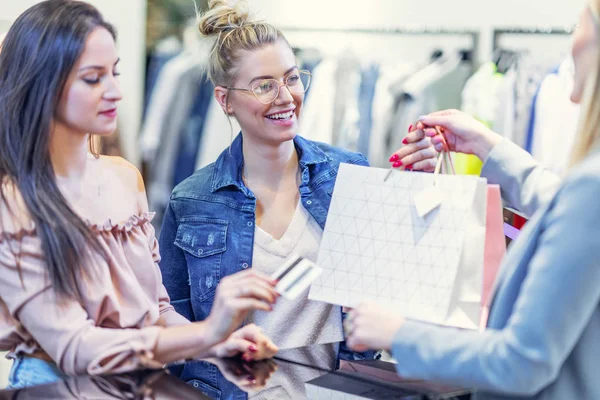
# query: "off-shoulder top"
115,327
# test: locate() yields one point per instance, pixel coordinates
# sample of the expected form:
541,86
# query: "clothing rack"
528,31
473,34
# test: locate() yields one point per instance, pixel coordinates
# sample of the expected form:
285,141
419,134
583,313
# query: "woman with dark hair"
80,290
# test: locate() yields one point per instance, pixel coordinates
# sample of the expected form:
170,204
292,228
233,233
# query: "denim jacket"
208,227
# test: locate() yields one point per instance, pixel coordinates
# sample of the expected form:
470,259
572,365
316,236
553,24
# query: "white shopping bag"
426,262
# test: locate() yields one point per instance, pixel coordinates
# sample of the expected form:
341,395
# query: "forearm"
525,184
193,340
172,318
488,361
485,143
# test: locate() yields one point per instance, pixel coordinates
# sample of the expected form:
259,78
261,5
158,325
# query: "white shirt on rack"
217,134
556,120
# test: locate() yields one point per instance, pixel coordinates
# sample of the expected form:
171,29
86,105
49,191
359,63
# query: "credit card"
295,276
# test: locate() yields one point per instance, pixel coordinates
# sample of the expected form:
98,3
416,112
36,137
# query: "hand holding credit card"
295,276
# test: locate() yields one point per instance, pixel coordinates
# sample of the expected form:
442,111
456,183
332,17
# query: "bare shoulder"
129,177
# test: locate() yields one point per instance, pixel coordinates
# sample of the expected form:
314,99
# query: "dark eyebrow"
270,77
98,67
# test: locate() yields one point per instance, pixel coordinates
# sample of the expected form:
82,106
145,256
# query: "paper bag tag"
428,200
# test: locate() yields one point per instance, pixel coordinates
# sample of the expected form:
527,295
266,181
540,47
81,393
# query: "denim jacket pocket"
205,388
203,240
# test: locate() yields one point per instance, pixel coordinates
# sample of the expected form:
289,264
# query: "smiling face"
271,123
88,103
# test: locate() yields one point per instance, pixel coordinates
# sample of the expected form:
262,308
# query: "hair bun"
223,16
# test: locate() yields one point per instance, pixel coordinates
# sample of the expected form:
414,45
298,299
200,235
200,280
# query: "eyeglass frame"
279,85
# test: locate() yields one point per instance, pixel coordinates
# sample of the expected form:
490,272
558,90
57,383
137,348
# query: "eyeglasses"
267,90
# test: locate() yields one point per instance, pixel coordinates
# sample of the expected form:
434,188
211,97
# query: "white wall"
129,17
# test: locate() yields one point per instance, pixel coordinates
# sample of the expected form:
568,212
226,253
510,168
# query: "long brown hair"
38,53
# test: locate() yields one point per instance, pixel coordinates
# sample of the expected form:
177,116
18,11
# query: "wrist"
487,142
209,333
396,328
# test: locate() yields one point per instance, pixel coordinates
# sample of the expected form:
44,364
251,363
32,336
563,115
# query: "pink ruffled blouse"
116,327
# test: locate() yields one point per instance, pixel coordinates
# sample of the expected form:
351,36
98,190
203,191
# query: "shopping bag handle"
444,157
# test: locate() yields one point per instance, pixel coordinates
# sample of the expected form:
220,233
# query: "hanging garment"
555,121
479,99
217,134
164,51
346,114
162,99
173,119
316,121
504,119
383,110
191,136
530,73
368,85
436,87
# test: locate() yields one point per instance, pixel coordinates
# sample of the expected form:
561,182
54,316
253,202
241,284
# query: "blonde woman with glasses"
543,329
267,195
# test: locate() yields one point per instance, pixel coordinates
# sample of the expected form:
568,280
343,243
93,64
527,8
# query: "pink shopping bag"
494,249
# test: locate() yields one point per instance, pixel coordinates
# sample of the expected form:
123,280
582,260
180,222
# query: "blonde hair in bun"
230,22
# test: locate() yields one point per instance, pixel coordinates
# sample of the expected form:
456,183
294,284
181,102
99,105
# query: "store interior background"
131,19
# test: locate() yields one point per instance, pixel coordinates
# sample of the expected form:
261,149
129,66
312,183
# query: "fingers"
445,112
256,291
254,334
270,349
234,346
250,332
425,165
426,153
410,149
357,319
250,284
444,121
431,132
355,344
354,340
265,348
438,143
414,135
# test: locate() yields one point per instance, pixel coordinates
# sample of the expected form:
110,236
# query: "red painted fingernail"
394,158
409,167
410,128
405,141
397,164
253,348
